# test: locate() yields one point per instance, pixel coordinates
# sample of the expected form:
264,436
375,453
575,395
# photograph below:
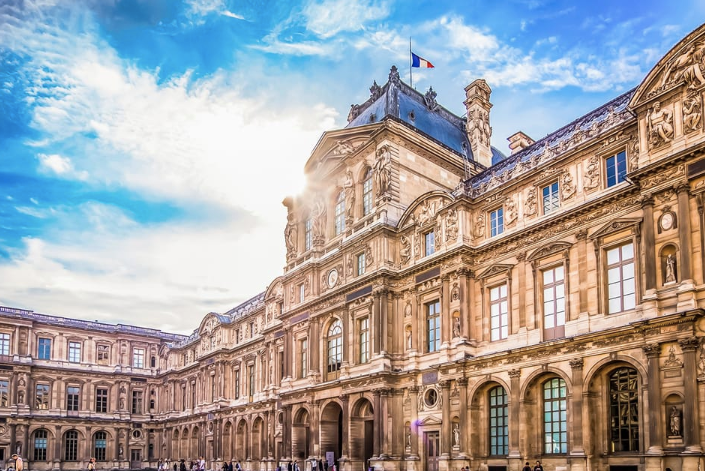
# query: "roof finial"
394,75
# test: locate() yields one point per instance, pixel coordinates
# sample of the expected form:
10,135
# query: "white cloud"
327,18
61,166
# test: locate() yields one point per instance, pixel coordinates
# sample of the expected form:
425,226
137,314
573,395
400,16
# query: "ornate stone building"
441,306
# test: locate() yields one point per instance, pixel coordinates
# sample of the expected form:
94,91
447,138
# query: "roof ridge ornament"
375,91
394,75
430,99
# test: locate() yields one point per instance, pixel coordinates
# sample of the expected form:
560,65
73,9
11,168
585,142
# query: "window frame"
619,162
303,357
607,266
363,326
5,343
433,324
236,381
45,395
492,428
633,424
100,453
562,401
101,399
553,203
367,192
251,380
44,350
4,393
138,358
308,234
360,258
137,404
334,349
496,220
558,330
73,398
339,213
498,302
101,350
75,350
71,445
429,243
40,453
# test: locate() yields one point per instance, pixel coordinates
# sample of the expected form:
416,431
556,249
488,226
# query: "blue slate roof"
590,126
421,111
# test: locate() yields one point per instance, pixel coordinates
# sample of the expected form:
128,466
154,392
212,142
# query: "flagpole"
411,68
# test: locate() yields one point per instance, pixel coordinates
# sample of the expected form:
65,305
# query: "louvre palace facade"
442,305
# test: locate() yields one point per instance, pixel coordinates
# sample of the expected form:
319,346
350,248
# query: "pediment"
275,290
616,226
335,146
550,249
425,208
682,66
431,420
495,269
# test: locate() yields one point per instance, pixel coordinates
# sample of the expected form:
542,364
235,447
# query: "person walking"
91,464
19,464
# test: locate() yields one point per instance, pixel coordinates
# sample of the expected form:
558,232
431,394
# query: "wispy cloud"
61,166
327,18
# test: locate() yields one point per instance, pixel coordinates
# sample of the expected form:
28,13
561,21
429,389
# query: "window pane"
627,251
612,256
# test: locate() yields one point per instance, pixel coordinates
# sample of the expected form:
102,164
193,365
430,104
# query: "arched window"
340,213
71,446
100,441
40,445
624,410
367,201
153,362
335,349
555,424
499,428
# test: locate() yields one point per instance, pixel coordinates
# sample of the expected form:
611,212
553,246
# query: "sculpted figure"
452,226
530,208
687,67
691,113
511,208
383,170
456,435
349,189
675,422
405,250
456,327
660,125
290,237
670,268
592,174
318,217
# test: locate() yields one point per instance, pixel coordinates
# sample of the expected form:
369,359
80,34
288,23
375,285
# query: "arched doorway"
362,434
257,450
300,438
227,441
241,441
195,451
331,431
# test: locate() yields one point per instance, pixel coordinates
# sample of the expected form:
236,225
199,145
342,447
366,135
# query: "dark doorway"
432,441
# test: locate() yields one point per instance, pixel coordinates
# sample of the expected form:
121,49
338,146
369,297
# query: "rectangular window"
364,339
72,398
101,444
429,243
237,336
616,169
101,400
40,445
237,384
433,326
308,232
303,357
281,366
621,286
555,423
496,222
361,264
4,393
103,354
4,344
551,199
41,396
367,194
138,358
340,213
137,402
499,313
75,352
44,349
252,329
554,303
302,292
251,379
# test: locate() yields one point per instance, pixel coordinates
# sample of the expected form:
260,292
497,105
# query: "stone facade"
432,314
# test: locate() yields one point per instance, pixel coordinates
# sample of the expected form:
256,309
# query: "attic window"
412,116
372,118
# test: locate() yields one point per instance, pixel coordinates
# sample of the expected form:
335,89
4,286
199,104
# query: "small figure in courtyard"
527,467
19,464
91,464
538,466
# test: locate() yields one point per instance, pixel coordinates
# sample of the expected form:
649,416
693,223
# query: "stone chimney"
477,104
519,141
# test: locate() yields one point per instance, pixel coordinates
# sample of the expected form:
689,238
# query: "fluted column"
514,419
464,426
384,423
445,427
576,411
683,190
397,429
655,445
376,436
384,320
271,419
464,303
648,242
446,322
691,413
521,270
581,237
376,323
414,396
286,433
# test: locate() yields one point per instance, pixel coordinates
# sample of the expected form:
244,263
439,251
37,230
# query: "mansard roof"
596,123
422,112
89,325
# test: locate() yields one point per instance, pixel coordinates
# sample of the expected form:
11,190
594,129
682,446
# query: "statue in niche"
349,190
674,426
318,216
290,237
670,268
408,338
456,434
383,170
456,327
408,437
479,226
691,113
452,226
659,123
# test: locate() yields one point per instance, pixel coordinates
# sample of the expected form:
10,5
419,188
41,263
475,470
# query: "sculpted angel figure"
691,113
405,250
660,124
318,216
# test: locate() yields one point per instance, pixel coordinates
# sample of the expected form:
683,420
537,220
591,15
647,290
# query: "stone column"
701,227
286,433
384,321
272,425
287,352
58,439
445,427
446,321
346,426
376,436
655,442
464,303
464,425
521,271
316,426
414,397
683,190
649,242
384,423
313,347
691,413
576,410
376,329
397,415
581,237
514,419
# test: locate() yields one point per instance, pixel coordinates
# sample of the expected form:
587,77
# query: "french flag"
420,62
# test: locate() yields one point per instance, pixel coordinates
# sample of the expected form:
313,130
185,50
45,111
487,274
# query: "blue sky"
146,145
